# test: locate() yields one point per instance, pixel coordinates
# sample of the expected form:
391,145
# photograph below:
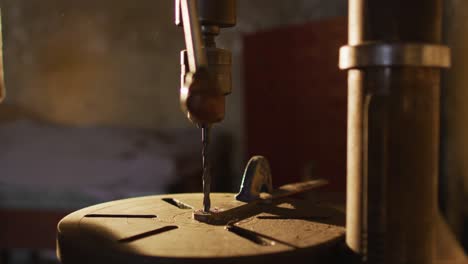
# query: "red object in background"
29,228
296,101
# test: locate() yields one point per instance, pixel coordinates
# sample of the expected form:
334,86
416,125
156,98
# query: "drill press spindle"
205,69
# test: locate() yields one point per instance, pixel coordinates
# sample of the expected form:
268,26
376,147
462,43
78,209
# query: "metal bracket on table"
256,188
256,179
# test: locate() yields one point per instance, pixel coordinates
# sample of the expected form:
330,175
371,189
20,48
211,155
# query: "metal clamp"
394,54
257,179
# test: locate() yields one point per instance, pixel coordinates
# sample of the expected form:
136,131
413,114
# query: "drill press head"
203,90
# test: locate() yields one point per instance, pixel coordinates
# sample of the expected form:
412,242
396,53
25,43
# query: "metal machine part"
219,216
206,169
167,229
205,69
160,229
256,179
394,59
256,188
394,54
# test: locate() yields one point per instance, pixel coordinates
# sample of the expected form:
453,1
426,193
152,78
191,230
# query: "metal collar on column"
394,54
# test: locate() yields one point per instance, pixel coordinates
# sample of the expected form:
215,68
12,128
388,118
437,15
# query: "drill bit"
206,169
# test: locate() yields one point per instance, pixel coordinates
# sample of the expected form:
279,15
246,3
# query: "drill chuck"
203,94
205,69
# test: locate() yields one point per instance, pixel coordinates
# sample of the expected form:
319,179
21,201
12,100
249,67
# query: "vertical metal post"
394,62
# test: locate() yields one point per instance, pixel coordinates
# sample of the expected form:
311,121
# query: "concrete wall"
116,62
94,62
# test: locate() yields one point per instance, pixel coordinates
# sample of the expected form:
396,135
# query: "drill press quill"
206,69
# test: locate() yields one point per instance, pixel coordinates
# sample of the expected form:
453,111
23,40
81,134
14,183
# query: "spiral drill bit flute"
206,169
205,69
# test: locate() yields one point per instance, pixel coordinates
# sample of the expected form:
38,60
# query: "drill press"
258,224
257,227
394,65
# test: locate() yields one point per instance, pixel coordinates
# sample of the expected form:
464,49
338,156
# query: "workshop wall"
94,62
116,62
454,168
261,15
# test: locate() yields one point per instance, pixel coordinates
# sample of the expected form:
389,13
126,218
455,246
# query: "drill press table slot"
177,203
148,234
257,238
119,216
